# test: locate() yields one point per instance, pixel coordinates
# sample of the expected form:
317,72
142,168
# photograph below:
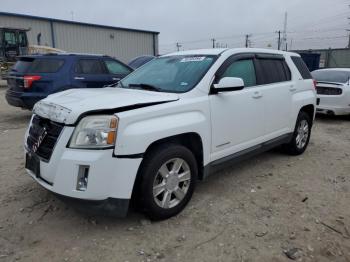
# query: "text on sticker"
192,59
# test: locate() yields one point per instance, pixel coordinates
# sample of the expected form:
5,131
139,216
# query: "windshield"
176,74
334,76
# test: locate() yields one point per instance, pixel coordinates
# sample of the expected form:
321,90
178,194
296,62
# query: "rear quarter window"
46,66
32,65
302,68
22,65
274,71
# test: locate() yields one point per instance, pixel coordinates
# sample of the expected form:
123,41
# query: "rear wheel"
301,135
169,176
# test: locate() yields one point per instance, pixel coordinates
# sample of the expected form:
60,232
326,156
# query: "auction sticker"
192,59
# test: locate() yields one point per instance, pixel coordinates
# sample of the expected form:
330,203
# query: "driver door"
237,117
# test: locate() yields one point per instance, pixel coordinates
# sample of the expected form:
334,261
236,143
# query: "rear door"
90,73
275,82
116,70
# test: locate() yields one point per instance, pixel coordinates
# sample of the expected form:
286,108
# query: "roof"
77,23
218,51
64,54
14,28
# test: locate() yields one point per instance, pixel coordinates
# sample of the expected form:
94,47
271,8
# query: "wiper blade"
146,87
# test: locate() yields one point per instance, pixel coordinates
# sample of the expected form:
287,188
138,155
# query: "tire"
162,194
300,139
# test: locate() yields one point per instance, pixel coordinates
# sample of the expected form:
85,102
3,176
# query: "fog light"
83,175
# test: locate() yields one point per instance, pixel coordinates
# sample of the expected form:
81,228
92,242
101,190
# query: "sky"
311,24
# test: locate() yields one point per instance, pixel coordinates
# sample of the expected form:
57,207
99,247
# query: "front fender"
137,132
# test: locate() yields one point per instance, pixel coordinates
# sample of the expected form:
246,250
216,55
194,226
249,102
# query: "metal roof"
77,23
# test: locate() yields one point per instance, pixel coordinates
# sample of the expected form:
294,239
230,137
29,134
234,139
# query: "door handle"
292,88
257,95
79,78
115,78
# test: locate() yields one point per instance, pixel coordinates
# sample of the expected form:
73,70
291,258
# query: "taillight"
28,81
315,83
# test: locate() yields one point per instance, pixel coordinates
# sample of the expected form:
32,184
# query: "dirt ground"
258,210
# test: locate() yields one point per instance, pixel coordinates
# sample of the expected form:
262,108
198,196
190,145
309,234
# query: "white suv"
333,91
173,121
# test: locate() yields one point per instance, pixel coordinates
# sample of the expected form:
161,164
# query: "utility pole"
178,45
213,40
284,40
247,40
279,39
348,30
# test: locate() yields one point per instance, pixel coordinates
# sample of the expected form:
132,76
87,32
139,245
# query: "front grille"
47,145
331,91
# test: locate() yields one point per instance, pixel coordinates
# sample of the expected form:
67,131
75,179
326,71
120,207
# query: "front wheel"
301,135
169,175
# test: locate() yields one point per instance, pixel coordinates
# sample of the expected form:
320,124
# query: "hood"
67,106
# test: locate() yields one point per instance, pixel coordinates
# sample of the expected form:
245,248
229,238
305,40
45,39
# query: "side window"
10,38
274,71
116,68
243,69
299,63
89,66
22,39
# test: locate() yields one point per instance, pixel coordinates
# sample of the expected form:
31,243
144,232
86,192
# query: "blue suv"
35,77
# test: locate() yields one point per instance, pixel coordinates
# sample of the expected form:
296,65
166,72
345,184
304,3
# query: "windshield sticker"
192,59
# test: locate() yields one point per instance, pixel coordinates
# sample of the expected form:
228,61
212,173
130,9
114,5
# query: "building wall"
81,38
36,26
124,45
331,58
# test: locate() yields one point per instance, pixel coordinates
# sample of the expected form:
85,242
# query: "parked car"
177,119
140,61
333,90
35,77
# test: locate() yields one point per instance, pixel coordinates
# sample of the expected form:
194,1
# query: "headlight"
95,132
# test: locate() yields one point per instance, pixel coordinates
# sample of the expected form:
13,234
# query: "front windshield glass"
177,74
333,76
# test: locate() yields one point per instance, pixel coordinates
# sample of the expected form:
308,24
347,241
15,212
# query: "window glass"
45,65
22,39
243,69
274,71
116,68
22,65
299,63
178,74
334,76
10,38
89,66
139,61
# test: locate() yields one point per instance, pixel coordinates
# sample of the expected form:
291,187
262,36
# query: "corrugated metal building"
330,58
71,36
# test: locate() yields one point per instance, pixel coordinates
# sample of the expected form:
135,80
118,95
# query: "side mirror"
228,84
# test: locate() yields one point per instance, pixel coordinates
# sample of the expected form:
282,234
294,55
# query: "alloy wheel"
171,183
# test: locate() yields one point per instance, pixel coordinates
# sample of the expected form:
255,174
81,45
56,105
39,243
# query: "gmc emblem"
41,137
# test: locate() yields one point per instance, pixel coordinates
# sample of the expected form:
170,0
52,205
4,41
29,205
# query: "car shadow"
331,119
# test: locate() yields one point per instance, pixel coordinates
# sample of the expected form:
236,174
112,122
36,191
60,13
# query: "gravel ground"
264,209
